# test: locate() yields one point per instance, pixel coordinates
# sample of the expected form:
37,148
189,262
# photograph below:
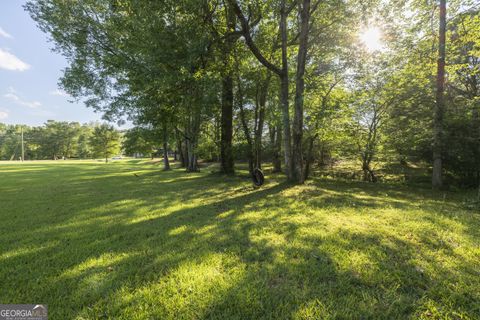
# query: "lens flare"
372,39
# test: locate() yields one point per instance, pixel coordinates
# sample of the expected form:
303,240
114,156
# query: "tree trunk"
440,102
281,72
192,158
368,173
191,136
322,154
297,154
185,153
309,156
246,130
277,149
177,150
181,153
262,101
287,144
226,151
166,163
217,137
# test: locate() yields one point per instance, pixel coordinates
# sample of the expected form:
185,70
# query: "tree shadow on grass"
68,246
308,283
238,252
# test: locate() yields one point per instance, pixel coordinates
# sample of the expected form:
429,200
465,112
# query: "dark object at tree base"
258,177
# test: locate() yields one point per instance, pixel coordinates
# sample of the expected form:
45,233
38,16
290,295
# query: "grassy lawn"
94,241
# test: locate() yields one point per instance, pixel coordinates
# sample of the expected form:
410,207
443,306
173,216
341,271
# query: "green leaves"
105,141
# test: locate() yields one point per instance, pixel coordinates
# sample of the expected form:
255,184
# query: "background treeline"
284,81
58,140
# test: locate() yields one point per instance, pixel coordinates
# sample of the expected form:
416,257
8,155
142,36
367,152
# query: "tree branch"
248,39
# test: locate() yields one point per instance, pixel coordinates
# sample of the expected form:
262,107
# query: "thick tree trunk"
287,144
297,154
226,151
192,158
440,102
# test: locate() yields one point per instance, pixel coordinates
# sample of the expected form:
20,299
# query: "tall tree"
226,151
140,140
297,153
293,155
440,100
281,72
105,141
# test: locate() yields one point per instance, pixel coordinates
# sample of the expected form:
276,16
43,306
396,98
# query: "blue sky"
29,73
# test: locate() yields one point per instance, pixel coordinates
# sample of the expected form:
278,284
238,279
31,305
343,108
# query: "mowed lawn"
126,240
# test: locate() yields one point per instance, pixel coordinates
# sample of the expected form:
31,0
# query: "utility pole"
23,148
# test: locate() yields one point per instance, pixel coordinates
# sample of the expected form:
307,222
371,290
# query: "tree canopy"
301,83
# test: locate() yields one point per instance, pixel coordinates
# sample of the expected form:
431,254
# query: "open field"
94,241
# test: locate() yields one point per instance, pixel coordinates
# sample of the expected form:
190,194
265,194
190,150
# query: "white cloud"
3,115
59,93
5,34
10,62
12,95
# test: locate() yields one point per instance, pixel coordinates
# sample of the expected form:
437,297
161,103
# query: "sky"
29,73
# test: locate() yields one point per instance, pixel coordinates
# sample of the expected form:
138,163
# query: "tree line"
286,81
59,140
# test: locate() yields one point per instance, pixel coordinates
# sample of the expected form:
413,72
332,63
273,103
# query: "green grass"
93,241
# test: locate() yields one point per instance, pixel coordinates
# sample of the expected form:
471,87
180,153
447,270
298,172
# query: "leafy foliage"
170,66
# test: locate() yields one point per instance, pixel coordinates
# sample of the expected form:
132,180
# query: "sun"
371,38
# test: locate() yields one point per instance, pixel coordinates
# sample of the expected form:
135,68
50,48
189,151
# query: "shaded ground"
94,241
